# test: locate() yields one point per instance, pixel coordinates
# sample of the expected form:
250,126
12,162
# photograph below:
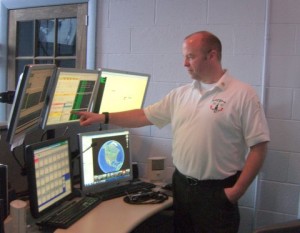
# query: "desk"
115,216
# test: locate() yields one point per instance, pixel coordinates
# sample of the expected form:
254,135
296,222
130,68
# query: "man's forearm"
129,119
253,164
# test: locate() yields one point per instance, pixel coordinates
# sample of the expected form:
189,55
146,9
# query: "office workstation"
44,100
116,216
260,42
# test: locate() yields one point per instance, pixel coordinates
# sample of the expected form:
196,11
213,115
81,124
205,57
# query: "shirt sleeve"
160,113
255,126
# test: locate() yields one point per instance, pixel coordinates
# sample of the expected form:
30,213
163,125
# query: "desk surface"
115,216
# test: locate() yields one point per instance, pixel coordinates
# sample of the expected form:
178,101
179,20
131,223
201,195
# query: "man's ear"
212,55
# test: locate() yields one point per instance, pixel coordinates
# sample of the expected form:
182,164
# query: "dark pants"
202,206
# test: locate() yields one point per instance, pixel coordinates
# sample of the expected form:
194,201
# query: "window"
7,81
46,35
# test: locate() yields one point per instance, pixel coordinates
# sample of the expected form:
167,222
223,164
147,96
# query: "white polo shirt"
211,132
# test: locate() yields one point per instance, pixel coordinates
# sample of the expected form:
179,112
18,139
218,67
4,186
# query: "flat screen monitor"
105,159
49,175
73,89
121,91
29,101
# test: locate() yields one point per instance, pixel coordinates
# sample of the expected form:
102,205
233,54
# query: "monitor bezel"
97,106
51,93
18,101
31,175
114,183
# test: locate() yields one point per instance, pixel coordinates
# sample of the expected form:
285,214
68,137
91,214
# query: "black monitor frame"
31,158
68,119
117,91
90,144
29,101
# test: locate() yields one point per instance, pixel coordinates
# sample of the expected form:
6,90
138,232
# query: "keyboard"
124,190
70,213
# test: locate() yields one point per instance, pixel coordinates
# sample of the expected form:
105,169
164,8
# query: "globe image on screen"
111,156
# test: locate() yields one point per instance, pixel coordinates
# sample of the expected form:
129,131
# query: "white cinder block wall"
146,36
278,199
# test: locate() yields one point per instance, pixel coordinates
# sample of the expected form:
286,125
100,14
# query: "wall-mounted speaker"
156,169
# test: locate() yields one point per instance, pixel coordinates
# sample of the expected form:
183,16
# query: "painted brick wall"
146,36
278,199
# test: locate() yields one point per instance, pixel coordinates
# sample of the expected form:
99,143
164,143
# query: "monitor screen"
104,159
73,89
121,91
49,176
29,101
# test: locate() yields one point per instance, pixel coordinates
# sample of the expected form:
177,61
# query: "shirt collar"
223,81
221,84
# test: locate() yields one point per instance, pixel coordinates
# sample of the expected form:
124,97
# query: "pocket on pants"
227,213
223,201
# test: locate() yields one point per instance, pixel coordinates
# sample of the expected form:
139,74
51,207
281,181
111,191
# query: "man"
220,138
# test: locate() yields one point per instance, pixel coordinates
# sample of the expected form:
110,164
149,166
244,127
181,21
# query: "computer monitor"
105,159
73,89
29,101
121,91
48,165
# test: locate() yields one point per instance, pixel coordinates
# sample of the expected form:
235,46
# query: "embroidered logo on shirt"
217,105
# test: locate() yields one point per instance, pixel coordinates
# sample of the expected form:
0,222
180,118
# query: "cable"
44,133
66,130
145,197
23,169
77,153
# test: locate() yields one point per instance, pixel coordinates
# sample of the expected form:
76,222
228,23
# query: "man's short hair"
210,41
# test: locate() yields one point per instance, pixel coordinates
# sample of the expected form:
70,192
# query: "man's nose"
186,63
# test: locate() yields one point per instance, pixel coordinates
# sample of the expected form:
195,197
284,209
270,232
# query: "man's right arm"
129,119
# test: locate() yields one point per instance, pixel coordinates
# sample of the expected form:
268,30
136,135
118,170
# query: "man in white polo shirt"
220,137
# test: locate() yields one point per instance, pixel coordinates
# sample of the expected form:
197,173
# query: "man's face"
195,59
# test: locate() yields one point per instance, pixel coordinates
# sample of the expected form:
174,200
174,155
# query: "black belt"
227,182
